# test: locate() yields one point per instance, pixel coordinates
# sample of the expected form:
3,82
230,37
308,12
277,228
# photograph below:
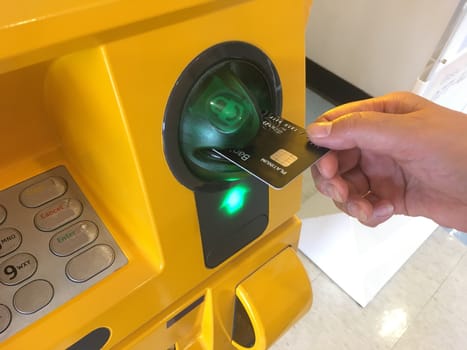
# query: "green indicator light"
234,200
232,179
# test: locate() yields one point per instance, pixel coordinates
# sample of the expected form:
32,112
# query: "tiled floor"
424,306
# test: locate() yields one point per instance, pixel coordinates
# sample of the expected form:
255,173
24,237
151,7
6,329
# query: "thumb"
376,131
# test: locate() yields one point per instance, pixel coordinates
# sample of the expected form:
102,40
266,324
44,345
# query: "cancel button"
58,214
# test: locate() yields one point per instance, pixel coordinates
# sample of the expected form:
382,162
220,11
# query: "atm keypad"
53,246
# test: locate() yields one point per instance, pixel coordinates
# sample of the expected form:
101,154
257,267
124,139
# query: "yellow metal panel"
215,326
274,297
80,97
96,105
60,27
27,134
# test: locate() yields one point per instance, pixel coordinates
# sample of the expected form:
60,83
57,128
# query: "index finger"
394,103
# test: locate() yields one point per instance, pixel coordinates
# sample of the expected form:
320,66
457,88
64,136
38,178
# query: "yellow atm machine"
120,228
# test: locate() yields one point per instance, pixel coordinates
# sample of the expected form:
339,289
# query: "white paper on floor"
361,259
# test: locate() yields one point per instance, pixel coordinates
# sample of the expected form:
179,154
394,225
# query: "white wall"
379,46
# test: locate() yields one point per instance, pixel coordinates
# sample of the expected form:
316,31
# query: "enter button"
73,238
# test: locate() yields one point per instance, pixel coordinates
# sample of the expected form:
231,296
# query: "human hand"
395,154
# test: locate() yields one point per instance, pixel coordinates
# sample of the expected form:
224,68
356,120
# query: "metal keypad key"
43,192
17,269
53,246
10,240
58,214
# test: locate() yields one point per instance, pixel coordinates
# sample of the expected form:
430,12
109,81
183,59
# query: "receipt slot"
120,228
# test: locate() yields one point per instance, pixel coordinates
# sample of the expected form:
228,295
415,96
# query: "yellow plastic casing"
85,84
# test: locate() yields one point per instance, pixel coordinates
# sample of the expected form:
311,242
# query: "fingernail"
384,210
355,211
320,129
332,192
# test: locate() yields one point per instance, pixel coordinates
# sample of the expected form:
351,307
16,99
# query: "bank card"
279,153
